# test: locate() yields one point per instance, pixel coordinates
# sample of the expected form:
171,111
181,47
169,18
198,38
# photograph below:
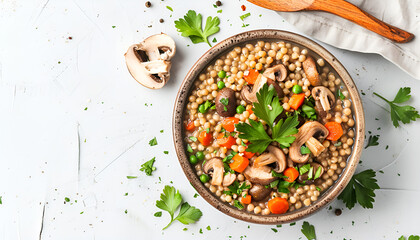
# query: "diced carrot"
225,141
229,123
251,75
190,126
247,199
291,173
239,163
296,100
278,205
249,109
335,130
205,138
248,154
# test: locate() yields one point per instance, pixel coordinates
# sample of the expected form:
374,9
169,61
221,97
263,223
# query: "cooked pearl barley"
257,210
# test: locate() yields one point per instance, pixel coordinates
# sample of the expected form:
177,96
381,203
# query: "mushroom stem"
315,146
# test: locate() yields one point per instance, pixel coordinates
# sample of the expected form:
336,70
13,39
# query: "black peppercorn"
337,212
161,20
148,4
218,3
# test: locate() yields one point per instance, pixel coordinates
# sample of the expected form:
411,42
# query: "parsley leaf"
305,150
158,214
242,17
406,113
147,167
190,26
282,132
236,188
153,142
412,237
170,200
308,230
360,189
267,108
373,141
340,95
256,134
238,204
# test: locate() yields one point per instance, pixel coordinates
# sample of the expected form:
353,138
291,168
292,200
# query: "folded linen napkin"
339,32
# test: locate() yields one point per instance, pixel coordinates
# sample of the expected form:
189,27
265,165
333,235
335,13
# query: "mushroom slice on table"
277,73
261,175
275,155
259,192
308,133
314,168
149,61
228,179
215,168
309,67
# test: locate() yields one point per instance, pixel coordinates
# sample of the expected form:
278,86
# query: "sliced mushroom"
250,94
315,146
149,61
228,179
259,192
214,167
314,168
325,97
275,155
226,102
307,131
261,175
309,66
277,73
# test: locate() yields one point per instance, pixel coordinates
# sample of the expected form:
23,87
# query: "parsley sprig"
360,189
147,167
403,114
190,26
268,108
170,200
373,141
308,230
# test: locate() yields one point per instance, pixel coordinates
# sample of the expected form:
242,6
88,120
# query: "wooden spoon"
340,8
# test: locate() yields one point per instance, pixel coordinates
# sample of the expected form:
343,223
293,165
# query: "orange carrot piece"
247,199
229,123
278,205
205,138
335,130
248,154
291,173
190,126
252,76
296,100
227,141
239,163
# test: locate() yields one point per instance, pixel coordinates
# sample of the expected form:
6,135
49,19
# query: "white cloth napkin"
339,32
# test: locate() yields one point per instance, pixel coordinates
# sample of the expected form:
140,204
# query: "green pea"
193,159
297,89
200,155
204,178
222,74
240,109
220,84
202,108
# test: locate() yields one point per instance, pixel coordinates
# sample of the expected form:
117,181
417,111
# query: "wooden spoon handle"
352,13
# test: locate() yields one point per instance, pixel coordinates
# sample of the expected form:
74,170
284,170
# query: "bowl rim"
178,128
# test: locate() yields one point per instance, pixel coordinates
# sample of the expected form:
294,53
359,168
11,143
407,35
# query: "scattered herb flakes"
185,229
1,201
292,224
169,8
219,11
245,25
208,228
235,188
237,204
158,214
191,26
399,175
125,211
189,148
260,15
147,167
308,230
214,40
161,131
340,95
373,141
131,177
242,17
126,194
386,148
86,109
81,212
403,114
170,200
194,139
67,199
201,231
166,152
114,26
196,195
380,171
360,189
411,237
153,142
352,223
274,230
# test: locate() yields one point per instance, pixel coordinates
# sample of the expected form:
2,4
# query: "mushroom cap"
309,66
250,94
259,192
308,130
215,168
277,72
228,179
275,155
228,94
324,96
261,175
148,62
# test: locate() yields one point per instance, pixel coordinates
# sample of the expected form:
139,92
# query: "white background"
52,148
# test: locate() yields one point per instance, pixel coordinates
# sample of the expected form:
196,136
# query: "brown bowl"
179,128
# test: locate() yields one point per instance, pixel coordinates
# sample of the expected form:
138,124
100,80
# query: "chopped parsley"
189,148
238,205
373,141
153,142
131,177
147,167
225,102
305,150
67,199
340,95
194,139
158,214
242,17
235,188
412,237
166,152
308,230
169,8
274,230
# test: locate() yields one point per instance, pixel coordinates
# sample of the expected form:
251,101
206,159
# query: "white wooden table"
74,124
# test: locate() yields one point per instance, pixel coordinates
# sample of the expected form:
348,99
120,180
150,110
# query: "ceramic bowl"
179,129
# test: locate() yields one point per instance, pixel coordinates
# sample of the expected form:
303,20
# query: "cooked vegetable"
240,109
297,89
246,200
296,100
200,155
204,178
147,167
403,114
190,26
205,138
239,163
220,84
193,159
229,123
308,230
335,131
225,141
291,174
190,126
278,205
251,76
221,74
